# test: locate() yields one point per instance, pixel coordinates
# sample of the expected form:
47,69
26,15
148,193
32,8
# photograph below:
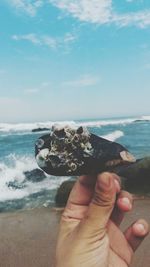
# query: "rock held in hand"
69,151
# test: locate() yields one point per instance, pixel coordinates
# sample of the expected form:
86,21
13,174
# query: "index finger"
81,196
83,190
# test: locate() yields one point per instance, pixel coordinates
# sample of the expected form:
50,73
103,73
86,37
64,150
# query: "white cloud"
31,91
28,37
69,37
87,10
30,7
102,12
35,90
92,11
140,19
46,40
84,81
45,84
49,41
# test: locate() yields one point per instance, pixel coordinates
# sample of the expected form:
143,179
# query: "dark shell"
67,151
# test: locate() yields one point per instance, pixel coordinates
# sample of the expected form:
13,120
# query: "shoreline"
28,237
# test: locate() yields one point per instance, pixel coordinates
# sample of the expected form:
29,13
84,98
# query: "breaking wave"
28,127
13,182
145,118
21,186
13,173
113,136
23,127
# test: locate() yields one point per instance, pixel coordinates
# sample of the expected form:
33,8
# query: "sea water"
17,157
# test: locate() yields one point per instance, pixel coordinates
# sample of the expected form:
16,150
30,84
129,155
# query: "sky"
74,59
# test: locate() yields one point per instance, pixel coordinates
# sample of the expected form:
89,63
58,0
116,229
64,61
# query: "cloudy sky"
71,59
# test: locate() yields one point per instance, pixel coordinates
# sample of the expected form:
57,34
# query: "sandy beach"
28,238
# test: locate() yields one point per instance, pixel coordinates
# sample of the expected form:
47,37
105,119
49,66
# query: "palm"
120,252
89,232
117,251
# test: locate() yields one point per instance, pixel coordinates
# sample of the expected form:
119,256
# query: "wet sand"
28,238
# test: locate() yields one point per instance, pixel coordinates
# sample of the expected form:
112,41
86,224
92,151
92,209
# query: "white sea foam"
100,123
23,127
113,136
15,172
145,118
28,127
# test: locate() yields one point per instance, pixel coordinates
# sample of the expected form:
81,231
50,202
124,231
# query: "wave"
5,134
145,118
23,127
100,123
125,121
113,136
28,127
14,173
13,182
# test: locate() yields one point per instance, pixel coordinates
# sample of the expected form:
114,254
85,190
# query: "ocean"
17,191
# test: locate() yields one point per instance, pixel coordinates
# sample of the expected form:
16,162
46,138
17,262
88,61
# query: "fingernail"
126,202
140,227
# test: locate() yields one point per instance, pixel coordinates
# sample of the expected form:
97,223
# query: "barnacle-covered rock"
75,151
135,178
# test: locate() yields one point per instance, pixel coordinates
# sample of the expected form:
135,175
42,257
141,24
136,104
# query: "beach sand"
28,238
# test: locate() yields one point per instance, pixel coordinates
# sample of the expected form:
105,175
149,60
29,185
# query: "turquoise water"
17,156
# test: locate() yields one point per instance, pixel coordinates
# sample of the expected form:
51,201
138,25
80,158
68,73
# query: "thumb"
101,205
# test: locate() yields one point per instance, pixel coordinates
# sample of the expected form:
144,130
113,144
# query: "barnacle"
76,151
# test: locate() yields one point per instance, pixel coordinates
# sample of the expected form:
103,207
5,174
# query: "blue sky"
72,59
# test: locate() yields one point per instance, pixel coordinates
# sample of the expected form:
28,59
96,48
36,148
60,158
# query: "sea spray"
13,183
17,156
113,136
26,127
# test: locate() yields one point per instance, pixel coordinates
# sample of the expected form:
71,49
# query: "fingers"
80,197
82,194
125,201
83,189
123,204
101,205
136,233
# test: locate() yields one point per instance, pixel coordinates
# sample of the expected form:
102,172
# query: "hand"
89,230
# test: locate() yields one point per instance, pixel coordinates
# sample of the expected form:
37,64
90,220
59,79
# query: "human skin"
89,234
